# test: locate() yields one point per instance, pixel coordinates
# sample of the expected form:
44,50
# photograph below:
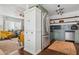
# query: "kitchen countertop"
69,30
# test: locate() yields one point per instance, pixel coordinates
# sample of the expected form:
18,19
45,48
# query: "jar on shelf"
61,21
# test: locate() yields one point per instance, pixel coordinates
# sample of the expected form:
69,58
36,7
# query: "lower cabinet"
58,35
77,36
51,36
62,33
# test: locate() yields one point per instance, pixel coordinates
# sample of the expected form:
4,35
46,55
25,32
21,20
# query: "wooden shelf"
65,18
72,22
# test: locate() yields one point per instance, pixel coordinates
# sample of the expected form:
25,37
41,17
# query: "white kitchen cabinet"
32,30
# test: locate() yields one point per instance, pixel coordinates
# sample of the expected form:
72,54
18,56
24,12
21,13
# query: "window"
12,24
1,23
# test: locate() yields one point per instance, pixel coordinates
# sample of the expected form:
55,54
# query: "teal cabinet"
77,36
51,36
62,35
54,35
59,35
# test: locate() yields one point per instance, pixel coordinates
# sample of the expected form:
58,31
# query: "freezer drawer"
45,41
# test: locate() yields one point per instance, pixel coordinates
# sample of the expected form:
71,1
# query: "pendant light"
59,10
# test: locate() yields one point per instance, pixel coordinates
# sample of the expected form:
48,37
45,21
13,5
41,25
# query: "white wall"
9,10
70,14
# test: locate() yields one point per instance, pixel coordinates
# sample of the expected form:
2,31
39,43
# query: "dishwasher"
70,35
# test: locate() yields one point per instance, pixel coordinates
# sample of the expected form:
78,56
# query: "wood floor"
48,51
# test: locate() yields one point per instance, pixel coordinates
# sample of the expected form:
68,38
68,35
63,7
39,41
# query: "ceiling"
14,6
50,7
67,8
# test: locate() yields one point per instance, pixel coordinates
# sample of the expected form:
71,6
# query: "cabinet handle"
28,40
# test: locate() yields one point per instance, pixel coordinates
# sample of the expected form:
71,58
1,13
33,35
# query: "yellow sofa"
22,38
5,34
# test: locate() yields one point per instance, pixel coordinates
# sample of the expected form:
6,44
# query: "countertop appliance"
74,27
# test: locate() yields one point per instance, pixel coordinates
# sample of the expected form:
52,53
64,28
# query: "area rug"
63,47
8,46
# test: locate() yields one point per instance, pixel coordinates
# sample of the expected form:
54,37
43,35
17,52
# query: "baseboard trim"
38,51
